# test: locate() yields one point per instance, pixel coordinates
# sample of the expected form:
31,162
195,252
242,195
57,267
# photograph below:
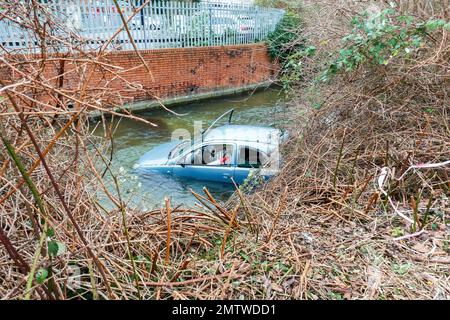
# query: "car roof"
243,133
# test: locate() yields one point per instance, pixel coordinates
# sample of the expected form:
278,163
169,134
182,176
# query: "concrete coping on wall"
141,106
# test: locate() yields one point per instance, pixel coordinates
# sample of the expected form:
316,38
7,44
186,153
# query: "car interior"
251,158
211,155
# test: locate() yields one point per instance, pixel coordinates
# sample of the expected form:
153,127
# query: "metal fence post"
210,25
161,24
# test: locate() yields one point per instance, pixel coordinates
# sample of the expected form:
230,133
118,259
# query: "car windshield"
179,149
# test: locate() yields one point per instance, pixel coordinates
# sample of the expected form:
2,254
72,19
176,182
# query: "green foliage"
378,39
335,295
253,180
284,45
41,275
282,40
401,269
52,247
50,232
55,248
279,3
292,69
199,25
397,232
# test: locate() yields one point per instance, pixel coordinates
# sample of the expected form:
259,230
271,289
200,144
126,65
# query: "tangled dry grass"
326,228
338,230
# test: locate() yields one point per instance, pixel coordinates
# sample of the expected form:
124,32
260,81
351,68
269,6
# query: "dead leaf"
276,287
289,282
373,281
419,247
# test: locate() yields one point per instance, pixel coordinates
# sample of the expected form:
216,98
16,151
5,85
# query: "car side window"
187,159
209,155
217,154
251,158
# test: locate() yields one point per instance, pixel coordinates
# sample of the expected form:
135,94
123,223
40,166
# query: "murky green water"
133,138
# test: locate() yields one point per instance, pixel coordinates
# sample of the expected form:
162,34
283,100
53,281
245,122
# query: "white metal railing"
160,24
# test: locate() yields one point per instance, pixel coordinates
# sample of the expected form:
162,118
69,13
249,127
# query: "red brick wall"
175,72
189,70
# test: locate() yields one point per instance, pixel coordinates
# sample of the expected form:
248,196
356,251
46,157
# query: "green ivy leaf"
52,247
41,275
432,25
388,12
317,105
407,19
310,51
244,256
393,42
417,41
56,248
333,68
50,232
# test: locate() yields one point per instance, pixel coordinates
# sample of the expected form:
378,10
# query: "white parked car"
246,24
223,25
146,22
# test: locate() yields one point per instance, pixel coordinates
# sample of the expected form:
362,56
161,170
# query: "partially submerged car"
224,154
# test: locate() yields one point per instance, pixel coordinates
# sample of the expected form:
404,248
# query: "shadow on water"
133,138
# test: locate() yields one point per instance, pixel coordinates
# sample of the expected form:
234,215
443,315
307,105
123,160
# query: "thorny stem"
21,264
227,231
130,255
35,261
427,211
39,203
92,278
49,147
167,201
339,159
122,209
24,173
131,39
58,192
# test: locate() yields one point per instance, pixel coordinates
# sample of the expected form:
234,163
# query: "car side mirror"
181,163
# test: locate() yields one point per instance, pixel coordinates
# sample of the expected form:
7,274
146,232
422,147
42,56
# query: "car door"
209,162
248,159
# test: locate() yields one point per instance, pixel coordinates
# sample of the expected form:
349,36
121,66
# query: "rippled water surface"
133,138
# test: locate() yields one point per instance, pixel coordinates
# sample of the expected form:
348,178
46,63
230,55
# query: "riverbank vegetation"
360,209
367,210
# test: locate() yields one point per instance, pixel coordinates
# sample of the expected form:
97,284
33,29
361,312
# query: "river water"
133,138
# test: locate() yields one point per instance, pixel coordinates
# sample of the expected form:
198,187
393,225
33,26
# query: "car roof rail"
215,121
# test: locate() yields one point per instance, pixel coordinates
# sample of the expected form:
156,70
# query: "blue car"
224,154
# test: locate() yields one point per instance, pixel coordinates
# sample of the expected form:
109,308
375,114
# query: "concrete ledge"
170,102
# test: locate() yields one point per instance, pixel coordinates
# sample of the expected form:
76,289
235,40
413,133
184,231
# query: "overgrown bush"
288,48
377,39
366,185
283,40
